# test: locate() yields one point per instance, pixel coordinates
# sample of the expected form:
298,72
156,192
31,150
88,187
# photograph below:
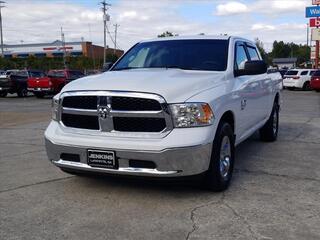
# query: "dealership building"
57,49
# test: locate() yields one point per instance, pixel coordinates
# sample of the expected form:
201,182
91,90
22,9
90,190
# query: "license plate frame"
101,158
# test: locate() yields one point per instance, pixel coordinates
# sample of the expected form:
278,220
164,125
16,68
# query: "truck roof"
197,37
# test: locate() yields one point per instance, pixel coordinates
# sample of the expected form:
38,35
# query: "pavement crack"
276,175
195,227
243,219
35,184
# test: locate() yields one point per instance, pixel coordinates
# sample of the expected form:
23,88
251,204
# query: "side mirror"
107,66
252,68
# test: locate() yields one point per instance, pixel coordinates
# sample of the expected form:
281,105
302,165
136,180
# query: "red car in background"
53,82
315,81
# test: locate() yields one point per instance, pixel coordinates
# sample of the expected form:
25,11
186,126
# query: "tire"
22,92
306,86
269,132
317,90
3,94
39,95
219,175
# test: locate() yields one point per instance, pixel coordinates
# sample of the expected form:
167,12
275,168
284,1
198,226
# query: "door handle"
243,104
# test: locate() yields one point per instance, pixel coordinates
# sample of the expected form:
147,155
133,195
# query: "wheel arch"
229,117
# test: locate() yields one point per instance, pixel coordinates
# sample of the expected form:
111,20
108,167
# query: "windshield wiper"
180,67
124,68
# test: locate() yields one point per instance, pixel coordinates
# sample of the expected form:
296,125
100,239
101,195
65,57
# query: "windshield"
208,55
292,73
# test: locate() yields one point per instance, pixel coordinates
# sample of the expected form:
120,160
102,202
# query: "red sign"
314,22
315,2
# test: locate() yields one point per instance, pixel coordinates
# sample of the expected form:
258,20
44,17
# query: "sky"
35,21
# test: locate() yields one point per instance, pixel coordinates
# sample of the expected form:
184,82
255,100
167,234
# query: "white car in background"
298,78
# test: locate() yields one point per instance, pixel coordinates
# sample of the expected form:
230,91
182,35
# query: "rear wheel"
3,94
220,171
269,132
317,90
22,92
306,86
39,94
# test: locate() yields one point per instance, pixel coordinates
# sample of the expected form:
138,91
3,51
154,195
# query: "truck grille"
80,102
115,112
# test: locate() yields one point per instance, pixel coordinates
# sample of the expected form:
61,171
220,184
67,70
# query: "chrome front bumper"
174,162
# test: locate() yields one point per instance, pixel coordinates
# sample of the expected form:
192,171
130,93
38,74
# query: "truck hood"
174,85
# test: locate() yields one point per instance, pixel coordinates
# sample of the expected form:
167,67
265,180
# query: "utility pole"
115,37
64,49
106,18
1,6
307,34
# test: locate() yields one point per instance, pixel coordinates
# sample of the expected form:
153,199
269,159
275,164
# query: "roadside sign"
314,22
313,12
315,2
315,34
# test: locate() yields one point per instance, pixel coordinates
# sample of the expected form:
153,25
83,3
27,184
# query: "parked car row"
305,79
35,81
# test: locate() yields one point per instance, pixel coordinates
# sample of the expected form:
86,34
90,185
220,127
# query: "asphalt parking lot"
274,195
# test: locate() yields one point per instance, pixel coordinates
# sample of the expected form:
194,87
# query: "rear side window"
241,57
311,73
316,74
57,74
253,53
304,73
292,73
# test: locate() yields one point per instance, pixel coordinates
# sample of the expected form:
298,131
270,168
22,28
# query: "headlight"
55,108
191,115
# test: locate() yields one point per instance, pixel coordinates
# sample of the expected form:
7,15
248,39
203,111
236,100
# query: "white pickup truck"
170,107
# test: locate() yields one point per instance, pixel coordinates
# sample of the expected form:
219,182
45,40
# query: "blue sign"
313,12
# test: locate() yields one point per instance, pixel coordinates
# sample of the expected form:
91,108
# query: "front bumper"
172,162
4,89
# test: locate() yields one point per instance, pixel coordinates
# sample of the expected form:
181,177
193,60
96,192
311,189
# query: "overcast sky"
36,21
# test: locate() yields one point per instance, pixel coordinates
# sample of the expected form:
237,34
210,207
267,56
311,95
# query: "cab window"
253,53
241,57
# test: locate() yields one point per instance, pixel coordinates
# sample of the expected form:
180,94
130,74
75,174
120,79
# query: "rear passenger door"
304,77
253,99
265,90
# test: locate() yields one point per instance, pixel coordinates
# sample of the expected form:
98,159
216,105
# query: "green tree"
262,51
167,34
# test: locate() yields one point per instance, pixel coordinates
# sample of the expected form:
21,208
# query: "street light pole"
1,6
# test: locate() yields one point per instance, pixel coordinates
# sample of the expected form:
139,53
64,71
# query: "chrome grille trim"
106,125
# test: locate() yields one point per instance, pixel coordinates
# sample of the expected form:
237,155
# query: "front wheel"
220,171
269,132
